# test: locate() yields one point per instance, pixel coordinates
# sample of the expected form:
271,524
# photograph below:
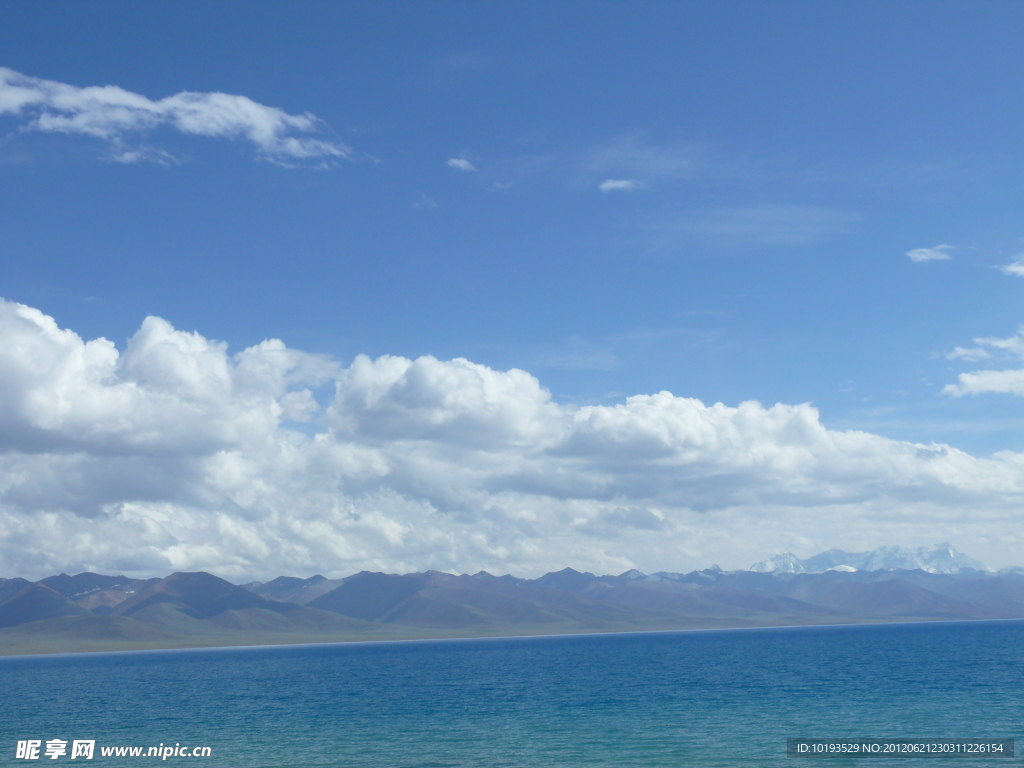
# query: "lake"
714,698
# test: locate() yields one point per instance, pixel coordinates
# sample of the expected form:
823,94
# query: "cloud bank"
115,115
175,454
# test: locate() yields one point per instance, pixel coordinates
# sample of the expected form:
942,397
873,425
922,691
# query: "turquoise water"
725,698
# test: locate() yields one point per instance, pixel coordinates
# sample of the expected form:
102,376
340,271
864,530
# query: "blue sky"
712,199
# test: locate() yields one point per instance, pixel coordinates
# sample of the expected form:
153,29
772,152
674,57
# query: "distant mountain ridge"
294,589
940,558
95,612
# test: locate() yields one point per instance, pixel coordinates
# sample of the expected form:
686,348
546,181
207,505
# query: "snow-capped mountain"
940,558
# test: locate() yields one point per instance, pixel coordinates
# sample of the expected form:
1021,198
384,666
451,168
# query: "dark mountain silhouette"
369,596
567,579
34,603
9,586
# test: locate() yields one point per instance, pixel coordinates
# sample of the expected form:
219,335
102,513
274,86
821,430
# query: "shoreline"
443,638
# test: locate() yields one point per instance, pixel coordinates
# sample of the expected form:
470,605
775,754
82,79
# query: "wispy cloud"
937,253
621,185
575,354
621,164
457,68
633,155
460,163
114,115
424,201
971,355
786,225
1015,267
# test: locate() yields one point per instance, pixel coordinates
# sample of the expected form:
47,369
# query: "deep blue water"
723,698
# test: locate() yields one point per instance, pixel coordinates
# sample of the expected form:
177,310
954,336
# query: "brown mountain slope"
295,590
198,595
9,586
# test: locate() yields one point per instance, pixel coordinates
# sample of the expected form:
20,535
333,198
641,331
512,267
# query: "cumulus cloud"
620,185
1008,381
174,453
114,115
1015,267
460,163
938,253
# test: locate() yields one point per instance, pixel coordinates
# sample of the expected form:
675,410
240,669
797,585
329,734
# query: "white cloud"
970,354
173,453
938,253
1015,267
1007,381
114,115
620,185
460,163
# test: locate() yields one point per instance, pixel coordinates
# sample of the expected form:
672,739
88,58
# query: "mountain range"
92,612
940,558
